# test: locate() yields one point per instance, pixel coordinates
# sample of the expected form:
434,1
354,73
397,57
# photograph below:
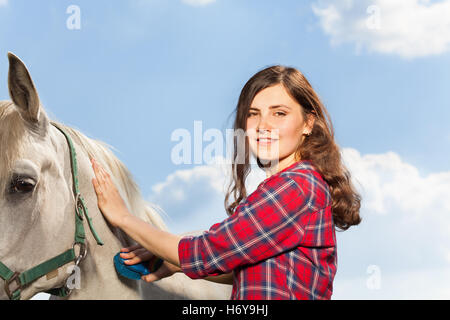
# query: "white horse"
37,206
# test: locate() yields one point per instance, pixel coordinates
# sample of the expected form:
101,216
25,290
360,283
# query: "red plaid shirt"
280,242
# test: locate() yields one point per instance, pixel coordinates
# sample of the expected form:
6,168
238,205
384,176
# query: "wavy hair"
319,147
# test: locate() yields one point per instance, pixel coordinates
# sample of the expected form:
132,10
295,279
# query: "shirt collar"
298,165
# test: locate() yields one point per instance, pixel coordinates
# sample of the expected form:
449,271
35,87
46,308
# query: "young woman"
278,242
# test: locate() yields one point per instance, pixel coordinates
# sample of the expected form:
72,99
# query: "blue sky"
138,70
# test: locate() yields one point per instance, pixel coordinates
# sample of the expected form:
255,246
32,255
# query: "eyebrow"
273,107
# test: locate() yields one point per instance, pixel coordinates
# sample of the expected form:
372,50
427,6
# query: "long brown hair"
319,147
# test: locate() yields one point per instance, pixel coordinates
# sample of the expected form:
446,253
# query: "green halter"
15,281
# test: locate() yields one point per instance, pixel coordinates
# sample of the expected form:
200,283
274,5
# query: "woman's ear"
310,120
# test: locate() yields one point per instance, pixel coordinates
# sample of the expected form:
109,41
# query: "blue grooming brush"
133,272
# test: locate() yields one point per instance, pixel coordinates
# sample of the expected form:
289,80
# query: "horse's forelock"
12,140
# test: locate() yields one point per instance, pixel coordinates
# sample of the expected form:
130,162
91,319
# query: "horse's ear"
23,93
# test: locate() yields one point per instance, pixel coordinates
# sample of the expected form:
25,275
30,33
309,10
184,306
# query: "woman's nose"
264,124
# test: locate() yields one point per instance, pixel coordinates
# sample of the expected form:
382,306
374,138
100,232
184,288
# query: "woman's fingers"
98,180
95,168
136,256
104,175
157,275
100,173
166,270
151,277
97,186
134,253
131,248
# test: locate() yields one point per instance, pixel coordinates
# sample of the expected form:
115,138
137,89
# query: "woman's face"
276,126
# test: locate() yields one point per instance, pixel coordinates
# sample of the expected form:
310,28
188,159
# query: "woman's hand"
110,202
136,254
113,207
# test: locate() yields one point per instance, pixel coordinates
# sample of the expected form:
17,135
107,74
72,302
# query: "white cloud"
387,181
408,28
3,3
411,285
198,3
405,229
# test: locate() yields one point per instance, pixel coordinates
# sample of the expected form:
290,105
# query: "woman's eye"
251,114
280,114
21,186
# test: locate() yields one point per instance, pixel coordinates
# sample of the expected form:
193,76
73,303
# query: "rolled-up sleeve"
270,221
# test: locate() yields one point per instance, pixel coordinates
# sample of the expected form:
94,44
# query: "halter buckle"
13,280
82,254
79,206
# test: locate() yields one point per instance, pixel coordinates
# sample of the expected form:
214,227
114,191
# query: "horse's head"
36,199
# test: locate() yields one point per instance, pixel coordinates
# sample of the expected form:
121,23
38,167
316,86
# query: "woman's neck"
281,165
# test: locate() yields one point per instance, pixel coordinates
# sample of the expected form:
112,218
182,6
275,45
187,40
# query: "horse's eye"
22,185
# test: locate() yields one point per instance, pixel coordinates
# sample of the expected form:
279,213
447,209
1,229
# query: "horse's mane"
122,177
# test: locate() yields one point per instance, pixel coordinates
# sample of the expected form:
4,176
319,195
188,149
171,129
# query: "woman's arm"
161,243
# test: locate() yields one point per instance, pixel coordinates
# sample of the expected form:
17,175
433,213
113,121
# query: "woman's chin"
267,161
